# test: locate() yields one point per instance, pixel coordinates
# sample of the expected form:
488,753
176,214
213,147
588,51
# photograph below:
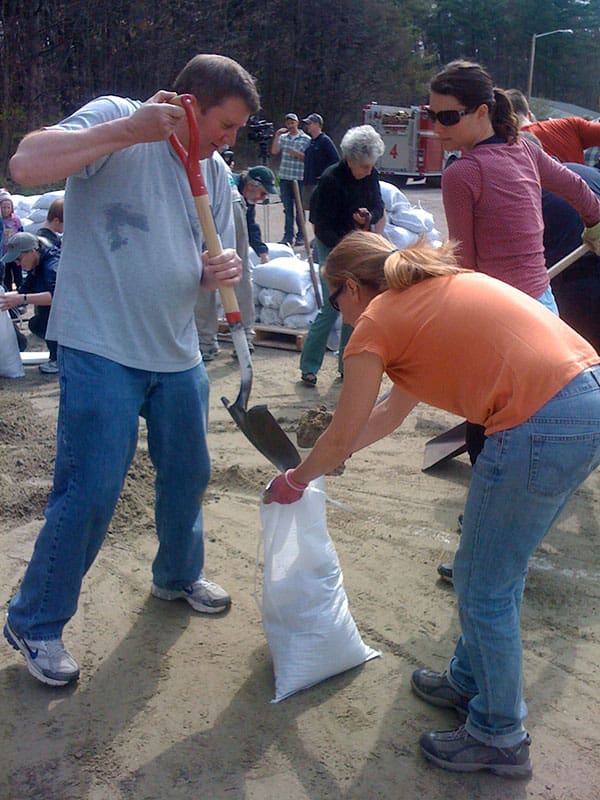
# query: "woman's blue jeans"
520,483
100,405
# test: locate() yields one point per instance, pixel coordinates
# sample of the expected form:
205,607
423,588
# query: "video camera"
259,130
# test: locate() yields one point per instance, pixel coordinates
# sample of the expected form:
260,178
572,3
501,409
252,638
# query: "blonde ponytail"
371,260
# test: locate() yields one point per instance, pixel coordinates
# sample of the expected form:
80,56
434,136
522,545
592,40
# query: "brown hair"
212,79
371,260
56,210
473,87
518,102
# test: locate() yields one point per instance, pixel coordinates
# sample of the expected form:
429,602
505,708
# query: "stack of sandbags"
33,209
23,205
284,292
405,222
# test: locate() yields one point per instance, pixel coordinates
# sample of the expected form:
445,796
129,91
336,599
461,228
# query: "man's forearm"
50,155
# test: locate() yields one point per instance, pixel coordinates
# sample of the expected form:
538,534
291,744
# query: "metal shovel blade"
445,446
262,430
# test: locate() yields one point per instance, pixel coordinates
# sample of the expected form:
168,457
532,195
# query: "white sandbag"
393,197
416,220
11,365
29,225
278,250
434,238
24,204
400,237
300,321
270,298
38,215
269,316
289,275
309,628
45,200
298,303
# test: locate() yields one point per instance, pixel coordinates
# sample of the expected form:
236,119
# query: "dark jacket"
42,278
337,197
319,155
254,232
577,289
50,236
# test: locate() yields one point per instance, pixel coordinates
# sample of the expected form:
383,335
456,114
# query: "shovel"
565,262
311,263
258,424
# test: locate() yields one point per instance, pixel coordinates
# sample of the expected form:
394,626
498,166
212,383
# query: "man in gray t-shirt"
131,270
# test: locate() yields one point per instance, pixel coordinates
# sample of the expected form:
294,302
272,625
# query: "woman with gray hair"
347,198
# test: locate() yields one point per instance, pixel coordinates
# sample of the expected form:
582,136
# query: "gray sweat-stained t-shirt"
130,265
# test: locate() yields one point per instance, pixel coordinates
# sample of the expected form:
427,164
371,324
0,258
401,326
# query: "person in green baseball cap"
255,185
264,176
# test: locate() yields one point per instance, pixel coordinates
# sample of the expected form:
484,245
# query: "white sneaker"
48,661
49,368
204,596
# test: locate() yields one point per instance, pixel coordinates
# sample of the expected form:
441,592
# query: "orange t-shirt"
472,345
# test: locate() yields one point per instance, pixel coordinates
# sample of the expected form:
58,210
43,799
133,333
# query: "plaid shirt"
292,169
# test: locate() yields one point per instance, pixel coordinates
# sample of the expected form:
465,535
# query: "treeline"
307,55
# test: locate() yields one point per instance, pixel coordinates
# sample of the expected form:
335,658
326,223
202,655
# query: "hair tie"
395,250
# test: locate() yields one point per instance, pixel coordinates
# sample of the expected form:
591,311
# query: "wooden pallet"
32,357
271,336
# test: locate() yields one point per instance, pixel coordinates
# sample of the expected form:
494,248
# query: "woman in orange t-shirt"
473,345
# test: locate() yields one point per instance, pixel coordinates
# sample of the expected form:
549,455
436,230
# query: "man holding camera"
291,142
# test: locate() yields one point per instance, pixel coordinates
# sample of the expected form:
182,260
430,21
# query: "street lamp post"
532,56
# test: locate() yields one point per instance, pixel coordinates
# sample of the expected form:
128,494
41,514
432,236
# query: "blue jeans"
315,344
521,481
288,198
547,299
100,405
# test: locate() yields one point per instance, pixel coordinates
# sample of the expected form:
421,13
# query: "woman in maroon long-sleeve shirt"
492,195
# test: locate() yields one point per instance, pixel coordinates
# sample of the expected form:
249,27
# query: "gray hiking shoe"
458,751
446,571
48,661
49,368
209,353
433,687
203,596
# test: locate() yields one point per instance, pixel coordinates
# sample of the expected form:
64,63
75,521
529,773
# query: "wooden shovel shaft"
213,245
190,160
311,264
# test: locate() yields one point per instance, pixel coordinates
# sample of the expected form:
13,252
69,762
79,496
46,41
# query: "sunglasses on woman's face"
333,298
446,118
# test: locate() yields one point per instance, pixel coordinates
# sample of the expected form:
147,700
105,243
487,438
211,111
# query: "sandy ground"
172,705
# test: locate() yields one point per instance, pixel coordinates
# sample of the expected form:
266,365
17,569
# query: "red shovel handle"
191,163
190,158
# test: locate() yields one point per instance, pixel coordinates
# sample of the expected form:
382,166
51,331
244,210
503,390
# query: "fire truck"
412,150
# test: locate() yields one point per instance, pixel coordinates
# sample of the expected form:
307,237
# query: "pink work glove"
284,489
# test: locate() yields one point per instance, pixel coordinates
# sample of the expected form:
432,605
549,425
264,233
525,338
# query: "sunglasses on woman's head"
446,118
